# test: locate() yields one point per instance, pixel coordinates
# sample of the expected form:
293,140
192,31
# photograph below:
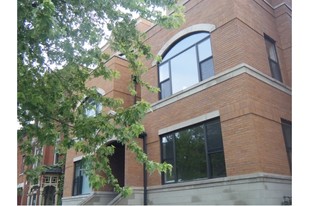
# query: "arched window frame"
91,107
170,44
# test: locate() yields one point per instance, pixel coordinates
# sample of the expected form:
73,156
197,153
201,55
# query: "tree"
68,33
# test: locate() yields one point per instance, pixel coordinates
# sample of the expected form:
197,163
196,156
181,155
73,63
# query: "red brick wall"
250,110
21,178
48,155
133,169
116,88
250,113
238,37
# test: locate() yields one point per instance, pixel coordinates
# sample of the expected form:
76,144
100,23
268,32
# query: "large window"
195,152
287,134
186,63
81,182
273,58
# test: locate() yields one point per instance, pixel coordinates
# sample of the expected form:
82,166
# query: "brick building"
223,117
45,190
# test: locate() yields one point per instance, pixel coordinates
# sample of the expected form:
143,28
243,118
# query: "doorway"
49,195
117,162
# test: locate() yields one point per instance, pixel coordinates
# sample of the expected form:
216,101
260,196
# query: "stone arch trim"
194,28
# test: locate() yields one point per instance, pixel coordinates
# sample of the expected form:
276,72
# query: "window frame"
269,40
38,151
79,182
288,148
33,196
168,61
209,174
91,105
56,157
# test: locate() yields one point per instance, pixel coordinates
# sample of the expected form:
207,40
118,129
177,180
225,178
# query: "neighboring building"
46,190
222,119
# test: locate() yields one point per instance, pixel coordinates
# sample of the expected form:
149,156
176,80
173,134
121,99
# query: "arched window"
186,63
91,106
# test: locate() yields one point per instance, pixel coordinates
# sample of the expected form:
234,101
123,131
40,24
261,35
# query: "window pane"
190,154
214,137
85,184
164,72
186,151
271,49
77,168
204,50
168,148
275,70
184,70
287,134
81,182
34,199
184,44
217,164
99,108
166,89
207,69
168,156
92,108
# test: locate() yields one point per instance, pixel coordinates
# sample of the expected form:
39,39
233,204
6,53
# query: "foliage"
68,33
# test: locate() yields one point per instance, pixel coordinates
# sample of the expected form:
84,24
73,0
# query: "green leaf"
50,101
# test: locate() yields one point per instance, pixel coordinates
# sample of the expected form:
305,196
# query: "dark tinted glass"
186,151
271,50
168,147
207,69
275,70
190,154
287,134
166,89
217,164
168,156
214,137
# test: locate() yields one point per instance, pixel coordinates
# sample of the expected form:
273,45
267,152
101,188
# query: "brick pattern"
116,88
250,110
133,169
247,106
238,37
